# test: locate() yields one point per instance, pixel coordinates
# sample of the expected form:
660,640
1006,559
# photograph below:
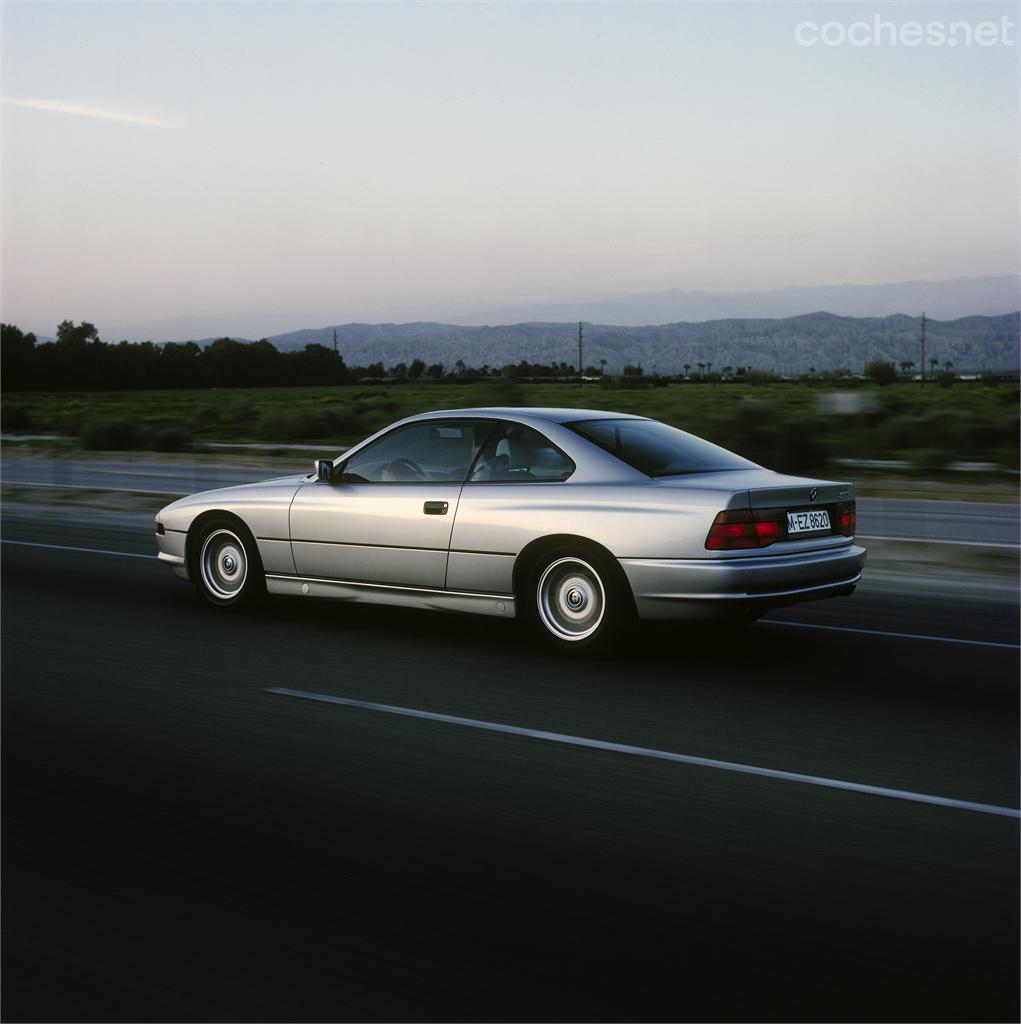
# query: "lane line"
68,547
649,752
933,540
899,636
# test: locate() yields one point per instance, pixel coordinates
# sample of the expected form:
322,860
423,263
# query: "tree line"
78,360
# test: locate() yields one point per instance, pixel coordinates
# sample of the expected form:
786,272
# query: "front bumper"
706,587
170,545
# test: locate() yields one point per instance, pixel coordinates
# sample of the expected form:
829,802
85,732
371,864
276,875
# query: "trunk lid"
763,491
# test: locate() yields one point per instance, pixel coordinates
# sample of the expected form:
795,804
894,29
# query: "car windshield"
656,449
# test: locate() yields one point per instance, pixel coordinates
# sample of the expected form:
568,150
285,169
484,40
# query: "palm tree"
701,367
709,368
687,367
906,366
933,362
948,365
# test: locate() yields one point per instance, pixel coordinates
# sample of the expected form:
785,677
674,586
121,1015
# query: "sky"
169,165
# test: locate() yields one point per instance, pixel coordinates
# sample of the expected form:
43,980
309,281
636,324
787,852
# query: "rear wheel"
575,600
227,569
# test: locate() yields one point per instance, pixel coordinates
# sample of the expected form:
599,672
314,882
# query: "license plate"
807,522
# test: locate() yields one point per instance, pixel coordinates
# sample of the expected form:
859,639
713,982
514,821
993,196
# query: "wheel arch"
541,545
214,515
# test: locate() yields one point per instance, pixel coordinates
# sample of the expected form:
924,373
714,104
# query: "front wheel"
576,601
228,572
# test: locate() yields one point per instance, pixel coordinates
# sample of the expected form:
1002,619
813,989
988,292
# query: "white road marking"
660,755
68,547
933,540
898,636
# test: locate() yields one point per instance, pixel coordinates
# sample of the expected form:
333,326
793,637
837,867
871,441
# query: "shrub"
777,437
110,435
14,418
502,391
310,424
242,412
171,439
881,373
291,425
70,422
931,458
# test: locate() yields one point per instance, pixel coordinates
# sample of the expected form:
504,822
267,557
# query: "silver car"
576,521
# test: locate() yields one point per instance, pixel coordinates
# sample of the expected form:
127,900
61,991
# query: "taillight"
846,518
746,528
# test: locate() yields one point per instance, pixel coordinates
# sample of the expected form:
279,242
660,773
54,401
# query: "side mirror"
324,470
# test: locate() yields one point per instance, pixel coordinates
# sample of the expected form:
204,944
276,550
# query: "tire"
227,569
575,600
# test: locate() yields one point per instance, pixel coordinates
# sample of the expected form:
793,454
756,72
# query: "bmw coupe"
576,521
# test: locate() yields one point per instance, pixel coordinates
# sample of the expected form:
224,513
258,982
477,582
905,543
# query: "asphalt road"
968,521
182,844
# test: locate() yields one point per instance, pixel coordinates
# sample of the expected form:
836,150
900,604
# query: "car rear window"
656,449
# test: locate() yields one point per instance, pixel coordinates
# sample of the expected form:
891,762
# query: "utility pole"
923,349
579,350
335,341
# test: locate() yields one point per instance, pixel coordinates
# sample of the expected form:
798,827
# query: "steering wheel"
399,469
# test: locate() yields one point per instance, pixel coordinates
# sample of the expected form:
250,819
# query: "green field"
787,426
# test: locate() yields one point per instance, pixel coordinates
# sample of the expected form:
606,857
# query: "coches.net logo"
878,31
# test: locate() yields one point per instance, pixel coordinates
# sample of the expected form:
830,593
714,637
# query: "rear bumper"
708,587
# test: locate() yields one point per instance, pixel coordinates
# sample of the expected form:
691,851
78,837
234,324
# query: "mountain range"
949,299
942,300
788,346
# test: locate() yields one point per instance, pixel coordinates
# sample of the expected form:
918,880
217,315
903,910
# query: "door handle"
435,508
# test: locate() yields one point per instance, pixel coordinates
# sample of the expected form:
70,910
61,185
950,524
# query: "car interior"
501,452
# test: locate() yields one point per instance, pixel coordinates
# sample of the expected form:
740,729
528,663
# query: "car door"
387,517
509,499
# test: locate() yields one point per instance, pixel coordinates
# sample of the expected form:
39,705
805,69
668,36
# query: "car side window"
434,451
517,454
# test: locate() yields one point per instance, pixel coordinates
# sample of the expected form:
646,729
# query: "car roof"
553,415
548,421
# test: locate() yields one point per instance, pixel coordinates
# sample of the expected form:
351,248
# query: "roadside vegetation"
804,426
176,398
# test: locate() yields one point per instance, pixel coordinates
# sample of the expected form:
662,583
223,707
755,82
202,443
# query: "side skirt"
500,605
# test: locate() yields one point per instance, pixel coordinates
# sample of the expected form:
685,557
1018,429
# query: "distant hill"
789,345
942,300
948,299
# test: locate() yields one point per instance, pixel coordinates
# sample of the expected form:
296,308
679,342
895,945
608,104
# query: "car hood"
264,493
